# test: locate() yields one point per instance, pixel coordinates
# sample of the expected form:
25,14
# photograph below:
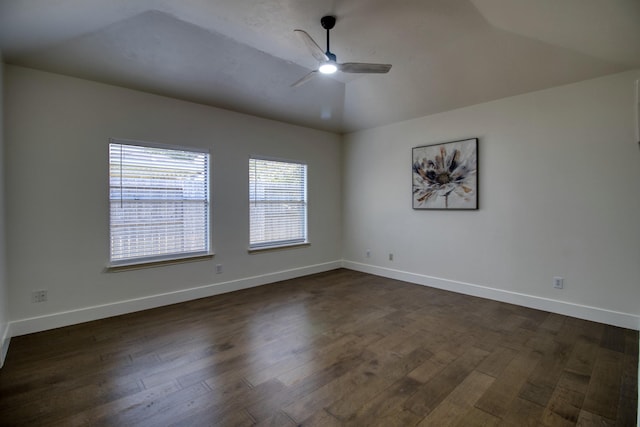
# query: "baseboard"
87,314
5,335
595,314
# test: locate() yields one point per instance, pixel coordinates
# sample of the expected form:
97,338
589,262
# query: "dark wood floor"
338,348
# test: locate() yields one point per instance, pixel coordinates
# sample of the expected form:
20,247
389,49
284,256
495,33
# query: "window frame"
178,257
280,244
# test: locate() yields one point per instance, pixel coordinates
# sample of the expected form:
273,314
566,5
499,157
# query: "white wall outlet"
558,282
368,253
39,296
218,268
390,256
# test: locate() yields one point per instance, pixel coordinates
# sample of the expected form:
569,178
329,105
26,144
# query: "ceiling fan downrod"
328,22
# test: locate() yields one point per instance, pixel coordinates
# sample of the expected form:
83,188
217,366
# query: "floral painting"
445,176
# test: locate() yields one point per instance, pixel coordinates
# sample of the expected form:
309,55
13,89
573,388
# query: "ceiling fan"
327,60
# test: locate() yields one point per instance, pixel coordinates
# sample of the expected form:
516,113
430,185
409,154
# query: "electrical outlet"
390,256
39,296
558,282
218,268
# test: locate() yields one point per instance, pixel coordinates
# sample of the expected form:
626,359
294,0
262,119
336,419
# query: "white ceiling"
243,54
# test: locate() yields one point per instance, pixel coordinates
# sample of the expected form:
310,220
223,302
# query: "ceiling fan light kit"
328,68
327,60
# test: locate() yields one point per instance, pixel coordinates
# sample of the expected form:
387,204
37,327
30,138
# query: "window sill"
278,247
112,268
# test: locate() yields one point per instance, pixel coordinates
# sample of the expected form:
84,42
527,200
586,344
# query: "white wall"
57,131
5,335
559,196
559,175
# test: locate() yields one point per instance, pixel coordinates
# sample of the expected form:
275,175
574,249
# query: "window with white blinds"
277,203
159,199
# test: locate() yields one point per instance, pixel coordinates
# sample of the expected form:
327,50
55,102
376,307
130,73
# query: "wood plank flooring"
340,348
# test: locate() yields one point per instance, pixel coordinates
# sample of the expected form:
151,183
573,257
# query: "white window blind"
159,199
277,203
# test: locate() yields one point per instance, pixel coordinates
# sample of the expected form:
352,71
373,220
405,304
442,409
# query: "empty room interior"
319,213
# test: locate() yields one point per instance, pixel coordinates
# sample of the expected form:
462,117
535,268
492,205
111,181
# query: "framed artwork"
445,176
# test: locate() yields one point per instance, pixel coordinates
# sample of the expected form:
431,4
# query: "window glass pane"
277,203
159,201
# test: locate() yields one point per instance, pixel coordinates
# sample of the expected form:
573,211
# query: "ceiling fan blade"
313,47
361,67
305,79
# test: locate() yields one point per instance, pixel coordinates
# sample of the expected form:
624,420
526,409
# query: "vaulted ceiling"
243,55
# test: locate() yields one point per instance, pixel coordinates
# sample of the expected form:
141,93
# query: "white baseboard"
87,314
595,314
5,336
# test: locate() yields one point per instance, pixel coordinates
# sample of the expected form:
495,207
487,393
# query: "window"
159,197
277,203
